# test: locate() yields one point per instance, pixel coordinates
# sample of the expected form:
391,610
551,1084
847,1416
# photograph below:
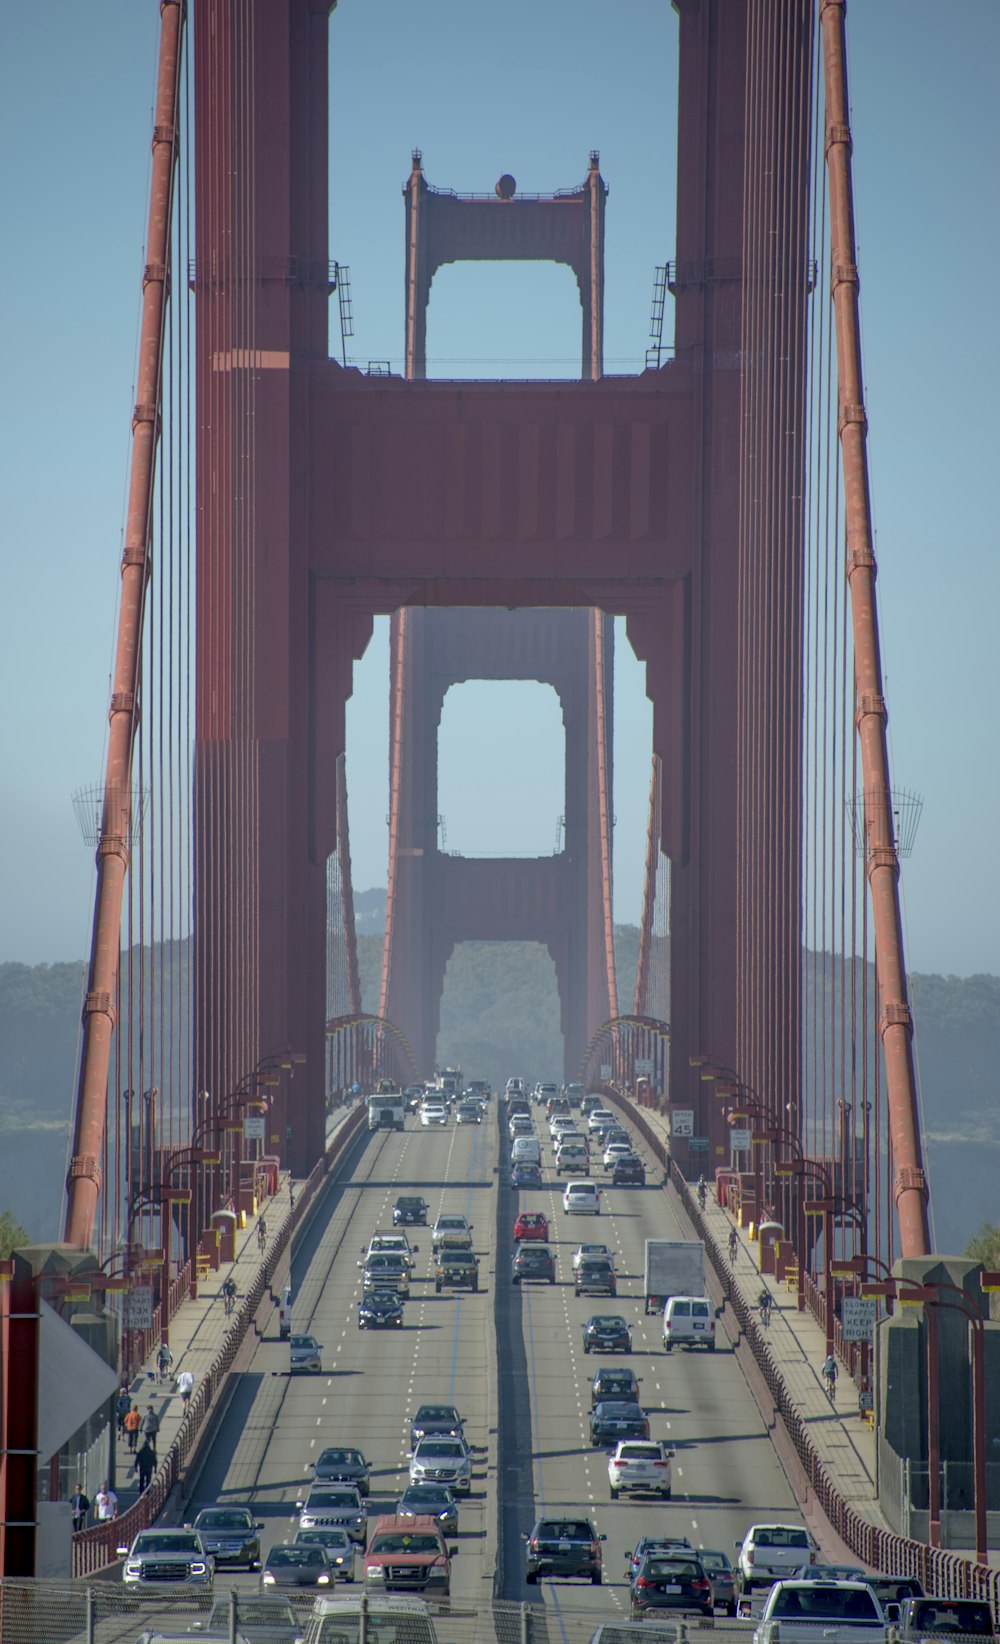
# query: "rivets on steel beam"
895,1014
837,134
852,414
99,1004
870,702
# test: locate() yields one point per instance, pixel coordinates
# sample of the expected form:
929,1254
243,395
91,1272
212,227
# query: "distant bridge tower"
436,900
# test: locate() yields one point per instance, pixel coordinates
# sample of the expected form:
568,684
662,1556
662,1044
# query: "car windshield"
671,1569
405,1541
607,1321
340,1458
440,1447
426,1495
451,1221
303,1342
566,1529
383,1627
409,1204
150,1542
321,1538
827,1603
333,1498
218,1518
437,1412
296,1558
714,1561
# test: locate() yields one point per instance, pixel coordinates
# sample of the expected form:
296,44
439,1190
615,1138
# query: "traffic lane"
278,1423
725,1469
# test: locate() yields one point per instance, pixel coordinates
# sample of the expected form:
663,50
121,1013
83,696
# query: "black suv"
616,1419
459,1268
671,1581
607,1333
622,1385
533,1261
628,1171
409,1211
563,1547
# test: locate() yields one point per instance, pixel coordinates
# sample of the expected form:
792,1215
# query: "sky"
530,89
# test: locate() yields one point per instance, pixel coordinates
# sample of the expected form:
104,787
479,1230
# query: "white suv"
640,1464
581,1198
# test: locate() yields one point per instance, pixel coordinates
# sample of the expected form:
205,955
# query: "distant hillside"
500,1012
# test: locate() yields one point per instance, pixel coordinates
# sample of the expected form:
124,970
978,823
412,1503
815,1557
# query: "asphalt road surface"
511,1357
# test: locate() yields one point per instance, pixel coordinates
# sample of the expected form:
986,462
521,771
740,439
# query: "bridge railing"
946,1574
96,1548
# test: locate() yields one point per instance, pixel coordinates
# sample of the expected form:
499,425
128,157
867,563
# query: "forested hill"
500,1013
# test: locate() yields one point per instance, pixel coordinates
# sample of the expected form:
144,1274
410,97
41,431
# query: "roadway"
457,1348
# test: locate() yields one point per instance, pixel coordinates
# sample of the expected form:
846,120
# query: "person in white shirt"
105,1504
185,1384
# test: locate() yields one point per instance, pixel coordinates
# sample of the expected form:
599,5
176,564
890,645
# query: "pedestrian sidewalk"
199,1328
796,1343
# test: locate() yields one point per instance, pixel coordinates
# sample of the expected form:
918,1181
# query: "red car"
531,1224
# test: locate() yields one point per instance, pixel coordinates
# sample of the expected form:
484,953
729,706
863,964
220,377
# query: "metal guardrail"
96,1548
946,1574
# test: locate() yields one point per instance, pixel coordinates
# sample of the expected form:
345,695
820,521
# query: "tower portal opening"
501,769
500,1013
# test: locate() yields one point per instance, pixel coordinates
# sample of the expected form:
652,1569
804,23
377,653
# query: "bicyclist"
702,1191
262,1232
734,1243
830,1374
164,1359
229,1293
765,1302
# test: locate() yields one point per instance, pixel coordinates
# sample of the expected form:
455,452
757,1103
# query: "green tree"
12,1234
984,1246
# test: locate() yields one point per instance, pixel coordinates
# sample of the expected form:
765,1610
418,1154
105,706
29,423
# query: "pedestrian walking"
79,1507
150,1426
123,1405
105,1504
145,1464
132,1423
185,1386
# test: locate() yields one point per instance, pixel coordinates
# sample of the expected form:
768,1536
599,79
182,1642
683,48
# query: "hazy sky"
530,87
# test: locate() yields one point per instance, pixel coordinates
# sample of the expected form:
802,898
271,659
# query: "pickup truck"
928,1619
770,1552
458,1268
821,1612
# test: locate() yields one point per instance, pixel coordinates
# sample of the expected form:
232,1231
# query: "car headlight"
133,1569
375,1572
198,1568
323,1580
267,1579
339,1559
359,1519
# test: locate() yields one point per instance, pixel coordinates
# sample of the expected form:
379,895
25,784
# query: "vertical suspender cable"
895,1022
83,1185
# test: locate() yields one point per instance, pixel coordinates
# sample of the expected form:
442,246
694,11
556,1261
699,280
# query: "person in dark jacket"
145,1464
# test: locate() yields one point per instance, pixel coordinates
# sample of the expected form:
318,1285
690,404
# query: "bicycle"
734,1245
702,1195
228,1297
764,1310
830,1384
261,1234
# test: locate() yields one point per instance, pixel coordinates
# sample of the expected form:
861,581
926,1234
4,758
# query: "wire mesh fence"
52,1612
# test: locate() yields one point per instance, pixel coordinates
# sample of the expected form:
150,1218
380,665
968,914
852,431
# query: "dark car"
410,1211
380,1310
525,1174
340,1548
336,1466
931,1618
652,1544
612,1420
533,1261
671,1581
628,1172
435,1421
607,1333
595,1276
614,1383
430,1501
231,1535
720,1573
563,1547
459,1268
828,1572
262,1618
297,1566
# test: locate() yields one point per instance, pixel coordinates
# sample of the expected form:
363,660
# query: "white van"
285,1313
525,1150
689,1321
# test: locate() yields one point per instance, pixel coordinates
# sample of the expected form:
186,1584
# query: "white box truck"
674,1267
